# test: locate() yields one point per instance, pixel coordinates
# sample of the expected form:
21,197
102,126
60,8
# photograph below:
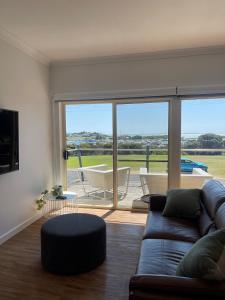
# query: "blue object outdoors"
187,165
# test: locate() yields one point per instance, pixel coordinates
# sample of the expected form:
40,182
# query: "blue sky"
198,116
203,116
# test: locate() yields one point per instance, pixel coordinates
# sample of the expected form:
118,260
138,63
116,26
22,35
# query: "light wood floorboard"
22,277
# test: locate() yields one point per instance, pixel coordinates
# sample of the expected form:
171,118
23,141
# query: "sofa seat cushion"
161,257
159,227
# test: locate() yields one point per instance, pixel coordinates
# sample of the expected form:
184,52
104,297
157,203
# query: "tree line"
205,141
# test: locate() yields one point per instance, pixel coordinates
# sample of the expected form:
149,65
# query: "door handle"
66,154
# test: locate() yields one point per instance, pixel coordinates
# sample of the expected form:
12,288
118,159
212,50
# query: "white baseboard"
4,237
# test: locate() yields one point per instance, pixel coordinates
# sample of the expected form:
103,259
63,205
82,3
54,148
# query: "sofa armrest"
167,285
157,202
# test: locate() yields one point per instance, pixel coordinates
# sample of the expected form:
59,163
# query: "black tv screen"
9,141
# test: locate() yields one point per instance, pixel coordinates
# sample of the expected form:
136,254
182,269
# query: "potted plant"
57,191
41,201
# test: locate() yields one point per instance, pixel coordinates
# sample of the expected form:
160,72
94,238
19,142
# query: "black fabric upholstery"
73,243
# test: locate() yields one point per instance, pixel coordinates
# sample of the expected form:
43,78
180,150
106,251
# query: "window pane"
89,142
203,141
142,151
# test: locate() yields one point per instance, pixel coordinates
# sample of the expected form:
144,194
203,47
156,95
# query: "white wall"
24,86
142,75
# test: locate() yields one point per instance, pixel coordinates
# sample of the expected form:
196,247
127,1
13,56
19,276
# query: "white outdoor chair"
157,183
101,178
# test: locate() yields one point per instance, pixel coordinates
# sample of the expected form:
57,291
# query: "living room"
112,97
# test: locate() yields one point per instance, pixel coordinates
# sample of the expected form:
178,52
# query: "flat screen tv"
9,141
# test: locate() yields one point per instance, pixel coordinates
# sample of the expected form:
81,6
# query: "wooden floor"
22,277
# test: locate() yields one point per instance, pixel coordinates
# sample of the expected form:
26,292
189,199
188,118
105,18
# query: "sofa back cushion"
206,259
213,195
220,217
205,223
183,203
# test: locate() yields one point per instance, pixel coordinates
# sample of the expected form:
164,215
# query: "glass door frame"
174,141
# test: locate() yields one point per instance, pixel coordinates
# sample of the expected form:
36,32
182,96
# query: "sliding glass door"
116,152
202,141
120,150
142,152
89,153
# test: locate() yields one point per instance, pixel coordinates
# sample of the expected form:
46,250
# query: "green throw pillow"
206,259
183,203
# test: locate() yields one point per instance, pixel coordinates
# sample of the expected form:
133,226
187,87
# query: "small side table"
61,206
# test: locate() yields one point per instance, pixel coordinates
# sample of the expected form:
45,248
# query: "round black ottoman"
73,243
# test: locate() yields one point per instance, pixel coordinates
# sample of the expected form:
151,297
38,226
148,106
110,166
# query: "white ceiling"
73,29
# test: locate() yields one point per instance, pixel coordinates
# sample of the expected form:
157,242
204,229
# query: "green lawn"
216,163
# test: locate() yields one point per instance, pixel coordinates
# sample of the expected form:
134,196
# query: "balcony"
147,174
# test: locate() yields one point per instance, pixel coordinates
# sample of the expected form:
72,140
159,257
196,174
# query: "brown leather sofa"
165,242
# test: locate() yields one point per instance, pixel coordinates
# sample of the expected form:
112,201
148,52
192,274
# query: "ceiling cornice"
143,56
22,46
15,41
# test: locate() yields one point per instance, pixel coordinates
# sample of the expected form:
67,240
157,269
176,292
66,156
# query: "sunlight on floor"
110,216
